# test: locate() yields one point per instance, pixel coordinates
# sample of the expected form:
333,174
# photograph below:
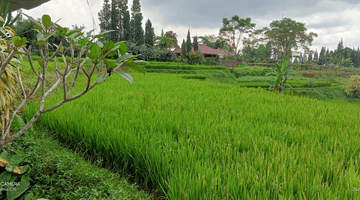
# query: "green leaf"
95,51
136,67
24,185
108,46
122,47
101,78
14,162
6,176
126,76
46,21
5,155
71,32
40,39
30,196
126,58
100,44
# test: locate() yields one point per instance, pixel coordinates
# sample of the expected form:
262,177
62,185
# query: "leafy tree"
288,35
135,8
127,28
183,49
234,29
195,43
215,42
172,35
139,31
149,34
90,50
188,42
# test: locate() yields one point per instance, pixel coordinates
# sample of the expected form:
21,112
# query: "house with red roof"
206,51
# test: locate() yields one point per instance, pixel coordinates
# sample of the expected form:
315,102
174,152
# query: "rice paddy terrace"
190,139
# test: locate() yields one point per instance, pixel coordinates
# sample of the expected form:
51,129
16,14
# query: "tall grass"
205,140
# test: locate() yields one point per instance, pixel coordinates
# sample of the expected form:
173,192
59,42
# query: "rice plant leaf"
126,76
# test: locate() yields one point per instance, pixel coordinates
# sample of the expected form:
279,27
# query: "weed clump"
353,86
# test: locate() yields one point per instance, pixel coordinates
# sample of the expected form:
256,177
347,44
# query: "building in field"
206,51
26,4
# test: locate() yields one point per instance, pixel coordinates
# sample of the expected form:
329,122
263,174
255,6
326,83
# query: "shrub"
353,86
195,57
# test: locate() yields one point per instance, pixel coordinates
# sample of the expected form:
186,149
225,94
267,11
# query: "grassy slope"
198,139
58,173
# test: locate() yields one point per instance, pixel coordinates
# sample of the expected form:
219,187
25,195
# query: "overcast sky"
331,20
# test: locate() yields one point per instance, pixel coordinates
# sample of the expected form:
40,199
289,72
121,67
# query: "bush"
195,57
353,86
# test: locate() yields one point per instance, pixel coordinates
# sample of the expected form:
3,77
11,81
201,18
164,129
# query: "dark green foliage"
183,49
199,77
195,57
188,42
322,57
139,31
132,30
149,34
135,8
114,35
195,43
104,16
287,34
310,57
58,173
127,28
316,56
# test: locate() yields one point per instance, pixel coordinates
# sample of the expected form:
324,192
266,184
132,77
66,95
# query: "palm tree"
165,42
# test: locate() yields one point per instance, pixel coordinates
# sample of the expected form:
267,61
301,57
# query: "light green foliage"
206,140
353,86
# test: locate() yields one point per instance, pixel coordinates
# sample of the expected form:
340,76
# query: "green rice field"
190,139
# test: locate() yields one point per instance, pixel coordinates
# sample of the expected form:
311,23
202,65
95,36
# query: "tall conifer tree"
183,48
316,56
188,42
149,34
195,43
104,16
114,35
126,26
139,32
135,8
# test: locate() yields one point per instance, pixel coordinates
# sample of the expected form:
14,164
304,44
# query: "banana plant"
282,72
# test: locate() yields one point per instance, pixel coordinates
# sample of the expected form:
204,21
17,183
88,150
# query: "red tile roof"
206,50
